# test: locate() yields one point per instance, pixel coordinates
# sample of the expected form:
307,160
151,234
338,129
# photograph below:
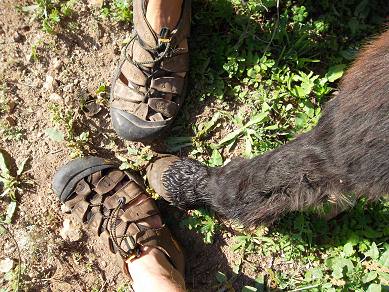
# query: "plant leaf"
55,134
373,252
249,289
208,126
369,277
22,166
335,72
230,136
221,277
348,249
216,158
5,164
257,119
10,212
374,288
384,259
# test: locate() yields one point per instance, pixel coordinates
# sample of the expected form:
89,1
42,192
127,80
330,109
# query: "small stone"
57,64
65,209
50,84
11,121
92,109
55,97
70,231
68,88
9,247
11,106
103,264
18,37
96,3
6,265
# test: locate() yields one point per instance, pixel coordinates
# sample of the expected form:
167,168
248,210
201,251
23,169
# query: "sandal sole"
67,177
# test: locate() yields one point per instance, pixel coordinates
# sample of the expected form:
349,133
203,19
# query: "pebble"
55,97
103,264
96,3
70,231
57,64
18,37
9,248
65,209
68,88
50,84
6,265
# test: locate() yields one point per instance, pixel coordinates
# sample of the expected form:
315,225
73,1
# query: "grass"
52,14
270,69
117,10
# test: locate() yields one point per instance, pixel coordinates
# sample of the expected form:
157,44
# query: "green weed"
11,181
51,13
118,10
66,118
335,256
271,67
136,159
123,288
10,132
202,221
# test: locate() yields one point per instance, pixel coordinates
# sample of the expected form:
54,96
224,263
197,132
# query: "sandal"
147,87
101,196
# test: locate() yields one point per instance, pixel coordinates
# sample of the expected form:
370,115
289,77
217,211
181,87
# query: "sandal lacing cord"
168,52
112,221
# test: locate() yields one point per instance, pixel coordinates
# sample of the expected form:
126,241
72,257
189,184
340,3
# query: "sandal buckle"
135,253
164,36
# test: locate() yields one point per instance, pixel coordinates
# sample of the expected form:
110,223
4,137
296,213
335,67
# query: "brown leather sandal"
101,196
148,88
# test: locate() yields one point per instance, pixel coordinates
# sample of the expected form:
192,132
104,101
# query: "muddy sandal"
101,196
147,87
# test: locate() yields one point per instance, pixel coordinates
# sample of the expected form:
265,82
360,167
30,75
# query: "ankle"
153,269
163,13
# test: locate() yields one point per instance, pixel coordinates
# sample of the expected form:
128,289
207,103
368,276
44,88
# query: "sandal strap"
173,85
133,74
108,182
162,239
128,193
144,29
123,92
138,109
165,107
141,211
140,54
176,64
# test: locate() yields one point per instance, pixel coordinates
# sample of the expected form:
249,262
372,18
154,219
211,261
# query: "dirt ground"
78,61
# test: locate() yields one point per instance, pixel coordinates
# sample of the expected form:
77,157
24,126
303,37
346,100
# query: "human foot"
149,84
113,204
